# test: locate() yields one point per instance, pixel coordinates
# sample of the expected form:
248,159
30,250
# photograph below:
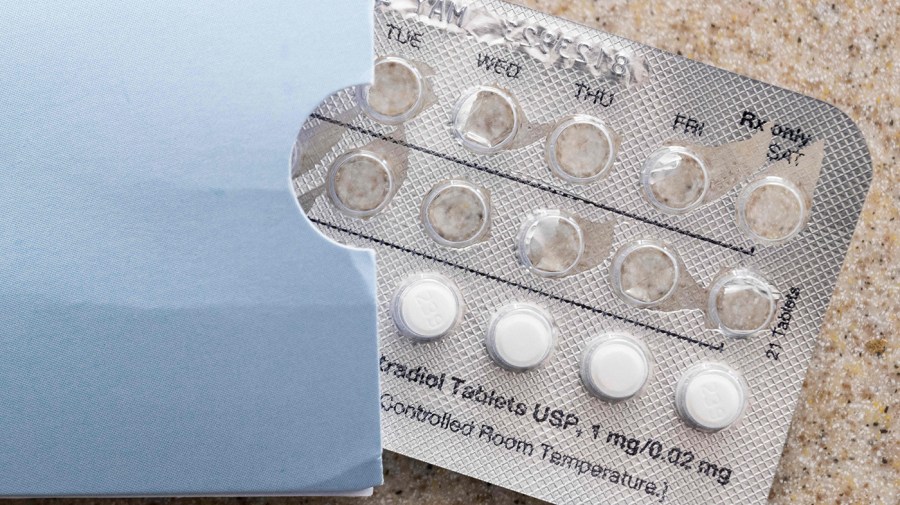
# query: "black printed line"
535,185
718,347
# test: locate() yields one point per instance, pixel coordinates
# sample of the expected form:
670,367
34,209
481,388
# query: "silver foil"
584,450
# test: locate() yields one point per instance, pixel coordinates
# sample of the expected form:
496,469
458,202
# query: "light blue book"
170,323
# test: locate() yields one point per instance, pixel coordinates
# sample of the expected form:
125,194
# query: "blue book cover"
171,323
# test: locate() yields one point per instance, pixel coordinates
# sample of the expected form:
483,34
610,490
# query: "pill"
520,336
427,307
615,367
359,183
741,303
645,273
550,243
674,179
456,213
771,210
580,149
486,119
711,396
396,93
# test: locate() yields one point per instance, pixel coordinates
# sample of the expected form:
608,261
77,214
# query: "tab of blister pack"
641,289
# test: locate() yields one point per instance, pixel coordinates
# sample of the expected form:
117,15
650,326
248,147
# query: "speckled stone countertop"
843,445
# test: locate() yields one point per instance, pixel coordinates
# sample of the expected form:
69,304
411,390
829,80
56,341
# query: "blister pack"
602,267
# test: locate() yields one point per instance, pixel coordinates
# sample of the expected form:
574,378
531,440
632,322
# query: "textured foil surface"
540,432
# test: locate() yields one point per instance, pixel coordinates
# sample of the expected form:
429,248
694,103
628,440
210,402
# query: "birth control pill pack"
602,268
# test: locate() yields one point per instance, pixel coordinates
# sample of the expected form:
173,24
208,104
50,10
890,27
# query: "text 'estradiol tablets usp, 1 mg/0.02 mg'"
597,278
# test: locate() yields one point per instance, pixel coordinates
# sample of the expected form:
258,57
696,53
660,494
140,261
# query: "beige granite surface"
843,445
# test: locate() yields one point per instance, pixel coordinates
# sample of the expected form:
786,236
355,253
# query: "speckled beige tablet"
743,308
645,273
396,91
486,120
456,213
550,243
741,303
359,183
580,149
772,209
675,180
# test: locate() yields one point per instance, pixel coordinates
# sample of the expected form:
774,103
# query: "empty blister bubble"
711,396
771,210
581,149
550,243
486,119
520,336
360,183
397,91
427,307
741,303
675,179
645,273
615,367
456,213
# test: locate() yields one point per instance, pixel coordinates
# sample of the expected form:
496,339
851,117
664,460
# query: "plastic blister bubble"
541,190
